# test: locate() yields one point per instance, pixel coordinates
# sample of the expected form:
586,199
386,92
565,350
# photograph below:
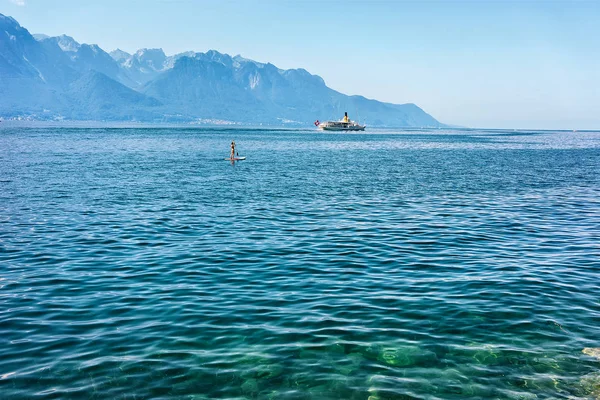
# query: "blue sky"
503,64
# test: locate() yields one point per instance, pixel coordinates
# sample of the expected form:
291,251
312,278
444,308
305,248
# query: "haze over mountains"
54,78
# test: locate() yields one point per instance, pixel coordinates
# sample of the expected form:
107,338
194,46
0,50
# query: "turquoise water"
137,264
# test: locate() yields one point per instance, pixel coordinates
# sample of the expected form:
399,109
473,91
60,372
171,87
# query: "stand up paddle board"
235,159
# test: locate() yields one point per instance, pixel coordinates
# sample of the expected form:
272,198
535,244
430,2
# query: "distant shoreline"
153,125
133,124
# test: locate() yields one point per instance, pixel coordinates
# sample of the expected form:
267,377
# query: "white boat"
345,124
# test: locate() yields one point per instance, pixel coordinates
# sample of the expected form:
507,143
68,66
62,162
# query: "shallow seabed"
138,264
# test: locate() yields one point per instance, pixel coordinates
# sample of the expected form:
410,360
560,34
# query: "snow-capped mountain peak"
119,55
67,43
40,36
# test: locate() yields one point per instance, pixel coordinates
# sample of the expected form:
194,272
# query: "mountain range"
58,78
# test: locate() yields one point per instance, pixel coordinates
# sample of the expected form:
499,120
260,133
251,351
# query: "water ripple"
390,265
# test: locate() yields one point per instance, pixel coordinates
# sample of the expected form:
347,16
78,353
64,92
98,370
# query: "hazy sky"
513,64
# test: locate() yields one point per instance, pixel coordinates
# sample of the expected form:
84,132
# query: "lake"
391,264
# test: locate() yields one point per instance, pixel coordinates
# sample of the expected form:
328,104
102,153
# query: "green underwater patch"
400,356
590,385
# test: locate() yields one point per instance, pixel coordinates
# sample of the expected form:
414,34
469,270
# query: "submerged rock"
356,358
262,372
393,357
269,371
590,385
250,386
592,352
522,396
373,390
349,364
486,354
400,357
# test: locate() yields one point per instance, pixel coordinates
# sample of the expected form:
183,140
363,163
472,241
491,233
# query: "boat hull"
354,128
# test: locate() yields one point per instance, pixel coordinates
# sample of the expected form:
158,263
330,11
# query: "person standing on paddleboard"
232,149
